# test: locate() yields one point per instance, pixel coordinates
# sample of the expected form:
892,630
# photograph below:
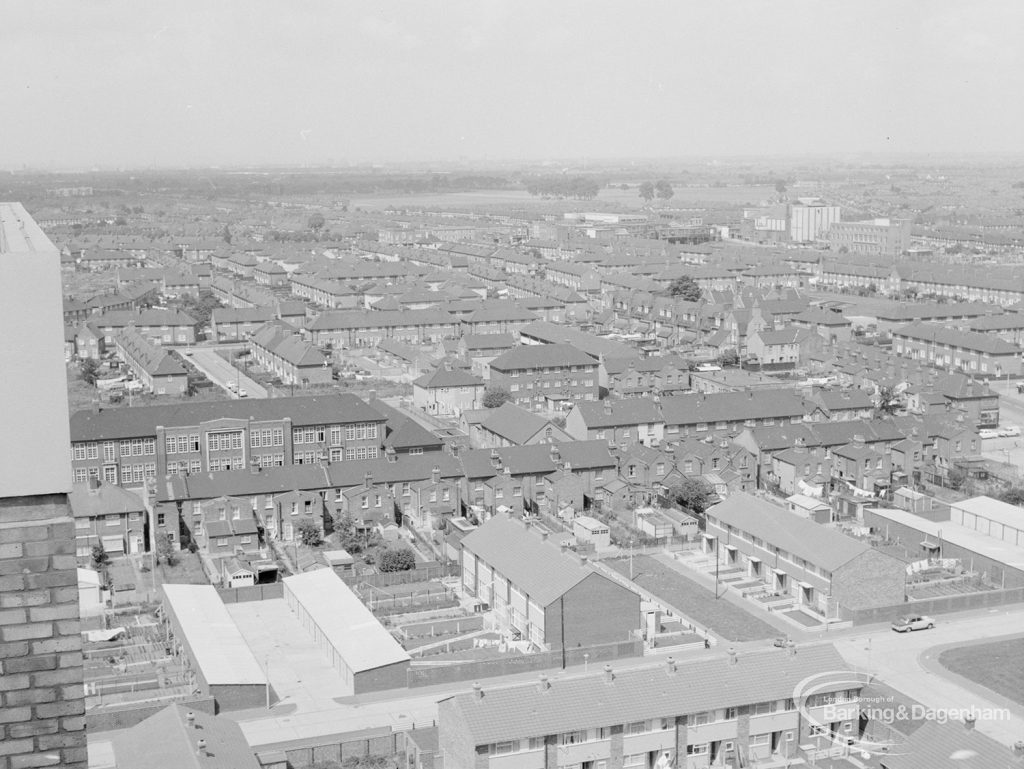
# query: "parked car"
913,622
983,434
1010,431
242,393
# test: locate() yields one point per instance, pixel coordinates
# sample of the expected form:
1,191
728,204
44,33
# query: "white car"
913,622
983,434
1010,431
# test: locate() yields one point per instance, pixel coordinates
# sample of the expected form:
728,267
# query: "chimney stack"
733,657
969,722
201,748
435,475
190,718
670,664
478,690
368,479
609,676
544,683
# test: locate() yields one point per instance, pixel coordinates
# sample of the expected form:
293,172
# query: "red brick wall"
42,701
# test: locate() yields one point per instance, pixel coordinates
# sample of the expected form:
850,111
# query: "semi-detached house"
537,375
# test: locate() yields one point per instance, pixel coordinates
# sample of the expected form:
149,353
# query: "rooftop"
345,621
217,645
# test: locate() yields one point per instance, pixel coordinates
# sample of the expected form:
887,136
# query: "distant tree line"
560,186
660,189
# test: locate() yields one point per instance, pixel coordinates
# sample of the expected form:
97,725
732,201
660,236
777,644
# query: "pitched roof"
444,377
969,340
697,685
111,424
514,423
104,499
940,745
534,565
822,546
154,360
731,406
628,411
542,356
167,740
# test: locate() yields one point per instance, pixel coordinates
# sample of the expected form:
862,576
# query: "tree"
396,559
316,223
647,191
729,357
496,396
90,369
165,550
780,186
310,534
1013,496
686,288
99,557
692,494
226,234
889,400
201,308
663,189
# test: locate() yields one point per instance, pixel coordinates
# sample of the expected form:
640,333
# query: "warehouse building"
220,661
366,655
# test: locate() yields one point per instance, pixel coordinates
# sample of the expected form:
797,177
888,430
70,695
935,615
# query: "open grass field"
998,666
696,601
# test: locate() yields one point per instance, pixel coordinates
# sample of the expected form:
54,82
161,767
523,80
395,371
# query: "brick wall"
595,611
869,580
42,700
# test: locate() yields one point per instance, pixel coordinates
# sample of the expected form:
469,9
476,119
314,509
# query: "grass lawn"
998,666
698,603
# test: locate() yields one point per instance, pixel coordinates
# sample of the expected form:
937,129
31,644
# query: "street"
221,373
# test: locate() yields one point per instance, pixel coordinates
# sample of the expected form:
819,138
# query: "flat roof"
348,625
217,645
955,534
993,510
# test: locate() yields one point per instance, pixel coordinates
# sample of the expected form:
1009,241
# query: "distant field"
606,198
998,666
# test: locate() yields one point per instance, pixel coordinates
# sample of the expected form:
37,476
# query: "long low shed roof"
349,626
217,645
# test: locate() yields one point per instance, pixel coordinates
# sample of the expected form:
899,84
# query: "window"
81,475
638,727
110,451
78,451
697,750
572,738
148,446
279,437
297,436
517,491
126,448
702,427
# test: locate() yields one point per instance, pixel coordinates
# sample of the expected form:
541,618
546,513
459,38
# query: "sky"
179,83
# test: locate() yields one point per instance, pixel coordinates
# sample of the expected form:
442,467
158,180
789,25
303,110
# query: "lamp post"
630,560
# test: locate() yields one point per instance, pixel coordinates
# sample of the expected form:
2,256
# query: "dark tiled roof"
696,686
536,566
542,356
824,547
112,424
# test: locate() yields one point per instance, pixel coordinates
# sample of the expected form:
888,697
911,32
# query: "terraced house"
126,446
973,352
277,348
369,328
736,709
730,412
156,368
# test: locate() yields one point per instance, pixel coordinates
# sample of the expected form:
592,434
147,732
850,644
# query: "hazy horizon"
249,84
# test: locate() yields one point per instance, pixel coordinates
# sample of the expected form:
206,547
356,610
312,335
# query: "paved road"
220,372
909,662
